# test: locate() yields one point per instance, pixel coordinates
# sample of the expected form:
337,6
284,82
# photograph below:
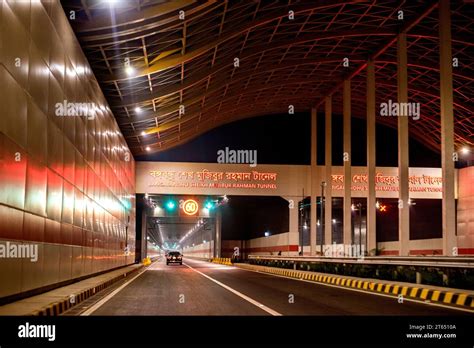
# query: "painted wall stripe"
424,294
461,299
448,297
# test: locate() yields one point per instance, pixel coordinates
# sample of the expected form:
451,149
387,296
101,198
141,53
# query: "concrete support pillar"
371,198
447,129
218,234
144,235
314,188
465,211
403,156
293,233
328,178
347,227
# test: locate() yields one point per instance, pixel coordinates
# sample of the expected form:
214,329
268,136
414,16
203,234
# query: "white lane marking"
99,304
362,291
245,297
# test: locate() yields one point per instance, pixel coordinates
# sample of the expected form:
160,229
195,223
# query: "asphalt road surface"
202,288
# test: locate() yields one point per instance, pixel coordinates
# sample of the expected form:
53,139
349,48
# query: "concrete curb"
59,307
455,299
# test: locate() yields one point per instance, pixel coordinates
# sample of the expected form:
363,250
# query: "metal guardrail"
427,261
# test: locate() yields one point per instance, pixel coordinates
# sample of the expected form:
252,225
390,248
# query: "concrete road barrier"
416,291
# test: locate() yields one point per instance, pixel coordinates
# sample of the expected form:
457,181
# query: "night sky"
285,139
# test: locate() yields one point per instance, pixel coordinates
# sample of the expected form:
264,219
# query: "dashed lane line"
245,297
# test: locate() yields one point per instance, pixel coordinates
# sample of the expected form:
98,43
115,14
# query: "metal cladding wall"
67,183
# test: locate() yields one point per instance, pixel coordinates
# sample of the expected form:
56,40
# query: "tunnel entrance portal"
190,224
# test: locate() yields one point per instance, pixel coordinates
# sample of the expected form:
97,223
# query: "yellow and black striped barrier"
417,291
222,260
63,305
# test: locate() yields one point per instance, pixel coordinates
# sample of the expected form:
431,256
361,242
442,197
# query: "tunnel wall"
202,250
67,183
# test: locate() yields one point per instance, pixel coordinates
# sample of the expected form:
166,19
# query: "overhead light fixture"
129,70
143,133
138,109
465,150
147,148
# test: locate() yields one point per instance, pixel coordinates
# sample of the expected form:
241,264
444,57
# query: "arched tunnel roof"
289,53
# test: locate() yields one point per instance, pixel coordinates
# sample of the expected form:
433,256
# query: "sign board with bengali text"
276,180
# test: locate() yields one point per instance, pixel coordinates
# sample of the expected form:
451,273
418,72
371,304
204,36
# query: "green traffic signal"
170,205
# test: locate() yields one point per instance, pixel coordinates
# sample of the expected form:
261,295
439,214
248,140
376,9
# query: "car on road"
174,257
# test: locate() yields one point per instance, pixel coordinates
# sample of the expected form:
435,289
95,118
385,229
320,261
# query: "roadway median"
430,294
